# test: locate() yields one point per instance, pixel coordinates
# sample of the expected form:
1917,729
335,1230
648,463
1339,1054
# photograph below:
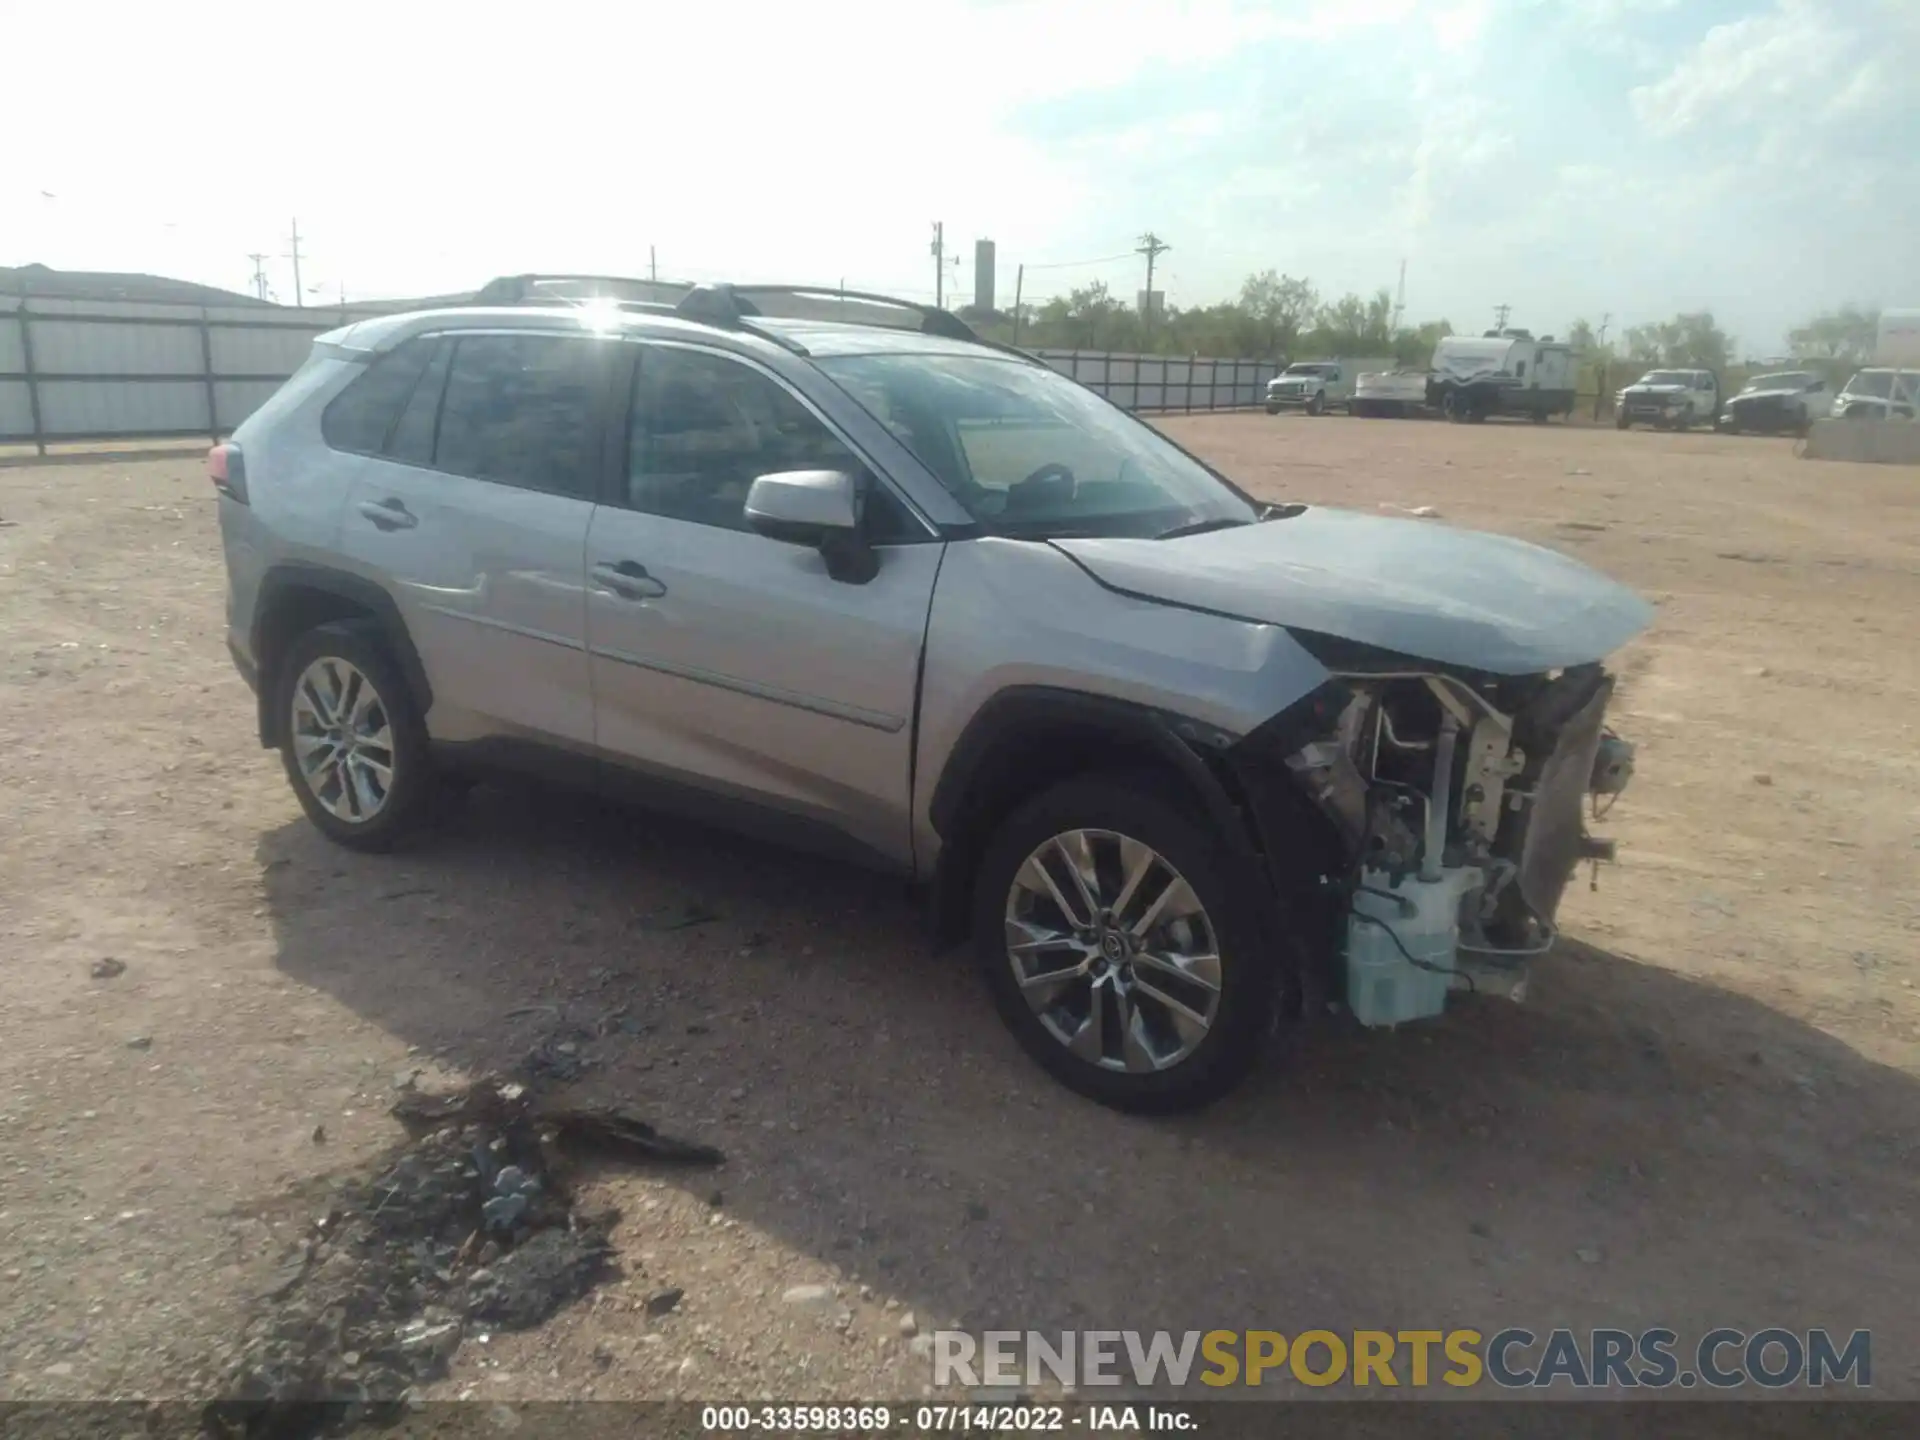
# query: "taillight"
227,468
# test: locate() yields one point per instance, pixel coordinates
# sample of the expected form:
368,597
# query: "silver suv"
828,566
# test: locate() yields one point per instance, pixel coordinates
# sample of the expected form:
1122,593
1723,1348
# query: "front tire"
1116,950
353,741
1318,404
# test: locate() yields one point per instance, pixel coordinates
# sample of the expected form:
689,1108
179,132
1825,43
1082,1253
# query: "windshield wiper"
1201,527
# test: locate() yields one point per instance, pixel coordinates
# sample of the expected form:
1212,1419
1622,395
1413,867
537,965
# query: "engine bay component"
1460,804
1402,941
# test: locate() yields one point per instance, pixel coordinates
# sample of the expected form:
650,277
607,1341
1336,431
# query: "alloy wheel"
343,740
1113,951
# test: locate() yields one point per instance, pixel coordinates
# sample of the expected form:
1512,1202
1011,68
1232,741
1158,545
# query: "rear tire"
353,741
1104,1029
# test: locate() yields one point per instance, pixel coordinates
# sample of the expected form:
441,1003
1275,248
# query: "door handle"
389,514
628,579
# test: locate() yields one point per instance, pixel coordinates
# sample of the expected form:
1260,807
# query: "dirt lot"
1705,1114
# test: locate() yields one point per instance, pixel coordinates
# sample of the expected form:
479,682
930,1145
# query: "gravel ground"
1704,1114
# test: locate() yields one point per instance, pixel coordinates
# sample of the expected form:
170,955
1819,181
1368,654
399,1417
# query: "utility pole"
653,266
1019,284
1500,313
1153,247
259,274
299,295
1400,299
939,265
1601,339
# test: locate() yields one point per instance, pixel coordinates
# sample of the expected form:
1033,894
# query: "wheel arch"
294,598
1027,738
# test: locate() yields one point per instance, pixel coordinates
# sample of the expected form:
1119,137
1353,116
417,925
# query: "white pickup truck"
1317,386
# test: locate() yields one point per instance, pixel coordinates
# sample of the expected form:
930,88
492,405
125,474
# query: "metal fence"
82,370
1157,383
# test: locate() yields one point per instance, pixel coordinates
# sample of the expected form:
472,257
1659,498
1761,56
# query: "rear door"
735,664
474,516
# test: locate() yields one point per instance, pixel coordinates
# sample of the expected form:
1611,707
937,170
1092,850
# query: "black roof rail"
535,289
731,304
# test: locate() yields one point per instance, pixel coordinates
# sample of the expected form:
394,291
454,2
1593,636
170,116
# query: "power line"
1076,264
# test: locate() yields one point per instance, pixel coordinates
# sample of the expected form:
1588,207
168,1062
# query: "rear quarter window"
360,417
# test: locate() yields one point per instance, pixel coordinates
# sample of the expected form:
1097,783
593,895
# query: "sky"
1567,158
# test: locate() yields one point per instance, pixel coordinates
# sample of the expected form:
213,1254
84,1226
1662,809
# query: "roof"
46,283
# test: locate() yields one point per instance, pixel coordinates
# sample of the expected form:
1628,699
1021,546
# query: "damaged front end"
1449,815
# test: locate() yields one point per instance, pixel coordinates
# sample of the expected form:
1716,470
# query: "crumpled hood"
1455,597
1746,395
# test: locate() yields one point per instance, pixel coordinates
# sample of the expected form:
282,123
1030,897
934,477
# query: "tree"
1584,342
1848,334
1354,327
1281,306
1413,349
1692,342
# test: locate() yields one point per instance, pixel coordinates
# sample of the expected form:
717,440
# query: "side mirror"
822,509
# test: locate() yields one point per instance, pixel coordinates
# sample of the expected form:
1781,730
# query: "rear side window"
361,416
411,442
522,410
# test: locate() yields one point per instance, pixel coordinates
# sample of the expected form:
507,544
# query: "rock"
1763,779
909,1326
1587,1255
1761,672
1480,1228
512,1180
687,1367
140,1042
921,1346
108,968
503,1212
319,1134
602,1357
661,1302
716,1199
843,1322
976,1211
813,1297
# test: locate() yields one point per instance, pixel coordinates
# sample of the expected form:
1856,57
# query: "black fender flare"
1180,743
357,591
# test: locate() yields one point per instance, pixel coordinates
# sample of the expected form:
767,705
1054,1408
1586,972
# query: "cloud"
1797,65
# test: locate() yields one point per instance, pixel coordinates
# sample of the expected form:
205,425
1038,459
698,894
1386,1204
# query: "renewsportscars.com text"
1512,1358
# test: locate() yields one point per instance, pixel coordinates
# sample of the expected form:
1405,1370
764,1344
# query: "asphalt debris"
470,1223
108,968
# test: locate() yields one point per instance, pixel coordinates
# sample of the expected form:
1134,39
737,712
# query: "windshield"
1666,377
1786,380
1306,369
1878,383
1033,455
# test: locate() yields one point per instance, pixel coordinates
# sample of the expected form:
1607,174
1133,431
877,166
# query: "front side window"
522,410
703,427
1031,454
360,417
